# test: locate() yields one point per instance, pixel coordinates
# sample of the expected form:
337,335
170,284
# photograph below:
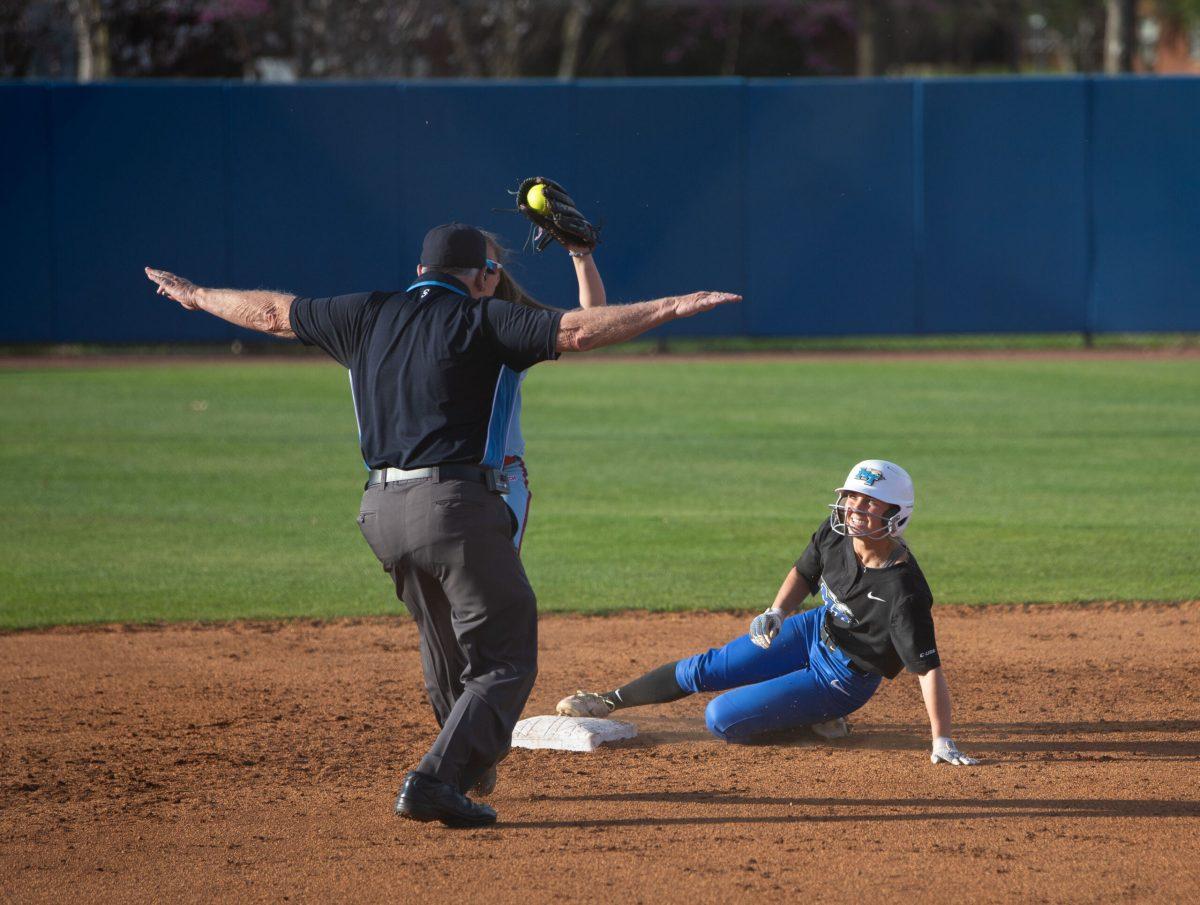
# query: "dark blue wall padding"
829,208
1005,205
138,180
26,232
661,164
314,190
1146,166
836,206
463,146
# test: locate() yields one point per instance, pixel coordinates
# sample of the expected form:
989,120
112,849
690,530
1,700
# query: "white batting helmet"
884,481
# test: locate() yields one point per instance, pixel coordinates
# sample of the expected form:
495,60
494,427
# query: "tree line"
91,40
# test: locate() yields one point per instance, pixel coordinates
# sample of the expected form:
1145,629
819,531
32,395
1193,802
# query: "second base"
569,733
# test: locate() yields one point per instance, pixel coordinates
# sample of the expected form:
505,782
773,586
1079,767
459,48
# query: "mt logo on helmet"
869,476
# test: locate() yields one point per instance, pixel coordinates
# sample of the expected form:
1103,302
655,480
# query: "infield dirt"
258,762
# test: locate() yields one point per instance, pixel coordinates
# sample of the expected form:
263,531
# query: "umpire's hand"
173,287
697,302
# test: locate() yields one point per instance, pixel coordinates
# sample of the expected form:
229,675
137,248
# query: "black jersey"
880,617
433,372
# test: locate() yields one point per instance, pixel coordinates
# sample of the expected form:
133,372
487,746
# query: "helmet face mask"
880,480
887,526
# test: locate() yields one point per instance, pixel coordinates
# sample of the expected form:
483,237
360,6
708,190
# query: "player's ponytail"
508,288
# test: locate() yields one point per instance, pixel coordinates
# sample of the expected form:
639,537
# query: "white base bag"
569,733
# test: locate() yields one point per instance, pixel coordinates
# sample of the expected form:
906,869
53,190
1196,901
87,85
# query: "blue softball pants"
795,682
518,496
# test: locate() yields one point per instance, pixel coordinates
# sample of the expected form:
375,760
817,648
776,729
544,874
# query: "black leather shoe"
486,784
424,798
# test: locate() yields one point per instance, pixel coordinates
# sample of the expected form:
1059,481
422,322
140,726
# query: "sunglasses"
492,267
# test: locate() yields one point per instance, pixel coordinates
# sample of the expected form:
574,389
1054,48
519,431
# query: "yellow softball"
536,199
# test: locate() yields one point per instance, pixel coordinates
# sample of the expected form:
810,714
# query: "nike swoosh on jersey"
873,597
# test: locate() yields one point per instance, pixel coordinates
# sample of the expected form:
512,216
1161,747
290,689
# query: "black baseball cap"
454,245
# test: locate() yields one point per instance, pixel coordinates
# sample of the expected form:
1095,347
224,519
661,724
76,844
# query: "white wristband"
579,254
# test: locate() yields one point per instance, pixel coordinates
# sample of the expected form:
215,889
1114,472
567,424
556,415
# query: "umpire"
433,397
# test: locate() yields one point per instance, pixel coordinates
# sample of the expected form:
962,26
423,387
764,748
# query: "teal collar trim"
420,283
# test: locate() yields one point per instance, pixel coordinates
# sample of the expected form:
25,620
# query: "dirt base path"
259,763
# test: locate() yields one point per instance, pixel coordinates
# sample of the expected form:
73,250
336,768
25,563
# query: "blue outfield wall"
835,206
1006,211
1147,217
830,231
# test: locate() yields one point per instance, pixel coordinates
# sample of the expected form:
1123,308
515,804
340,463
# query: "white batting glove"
945,751
765,627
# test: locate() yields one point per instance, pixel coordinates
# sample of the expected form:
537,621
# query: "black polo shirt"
433,371
881,618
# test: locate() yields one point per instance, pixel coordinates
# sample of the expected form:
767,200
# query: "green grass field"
193,491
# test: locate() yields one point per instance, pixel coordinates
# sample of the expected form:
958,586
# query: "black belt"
828,641
493,478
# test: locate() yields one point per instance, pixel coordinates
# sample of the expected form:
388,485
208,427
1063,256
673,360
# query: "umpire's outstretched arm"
592,328
256,309
580,330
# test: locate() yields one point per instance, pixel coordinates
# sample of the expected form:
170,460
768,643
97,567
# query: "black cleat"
424,798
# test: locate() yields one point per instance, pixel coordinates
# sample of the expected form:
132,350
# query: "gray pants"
448,547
